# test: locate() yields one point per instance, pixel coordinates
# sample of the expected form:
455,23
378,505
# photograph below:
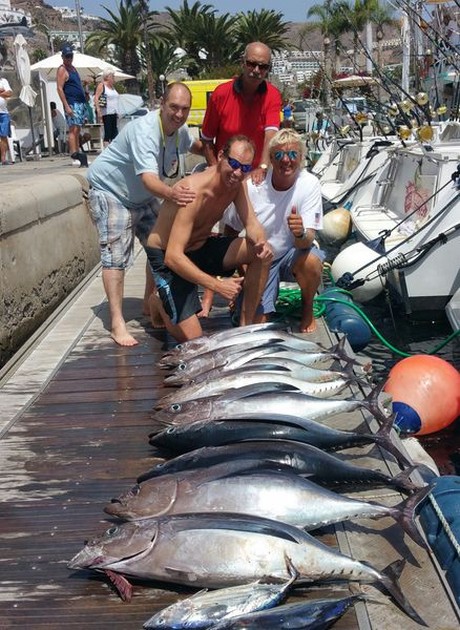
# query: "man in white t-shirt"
288,204
5,121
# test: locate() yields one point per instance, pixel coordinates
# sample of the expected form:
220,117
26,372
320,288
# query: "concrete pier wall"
48,244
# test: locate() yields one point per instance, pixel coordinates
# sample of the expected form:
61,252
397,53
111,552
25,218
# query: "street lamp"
327,74
162,79
80,32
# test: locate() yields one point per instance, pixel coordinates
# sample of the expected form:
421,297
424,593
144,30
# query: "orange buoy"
426,394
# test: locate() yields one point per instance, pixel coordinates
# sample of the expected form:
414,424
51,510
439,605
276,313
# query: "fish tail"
383,439
372,404
342,352
404,514
389,580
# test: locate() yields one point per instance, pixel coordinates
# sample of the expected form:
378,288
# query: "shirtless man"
182,255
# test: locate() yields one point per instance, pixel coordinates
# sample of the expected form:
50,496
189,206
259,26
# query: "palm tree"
163,59
121,37
331,22
265,26
183,29
216,36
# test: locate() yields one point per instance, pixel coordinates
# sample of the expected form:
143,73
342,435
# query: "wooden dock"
76,413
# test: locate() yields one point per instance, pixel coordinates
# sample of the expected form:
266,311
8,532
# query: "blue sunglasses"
279,155
244,168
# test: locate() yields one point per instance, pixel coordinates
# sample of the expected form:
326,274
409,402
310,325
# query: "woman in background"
106,103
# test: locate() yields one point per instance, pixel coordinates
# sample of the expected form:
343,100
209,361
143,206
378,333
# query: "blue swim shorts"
281,271
5,125
117,226
80,114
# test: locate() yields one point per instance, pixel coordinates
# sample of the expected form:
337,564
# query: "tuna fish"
256,404
322,467
317,614
248,340
275,494
275,381
184,438
206,608
229,358
295,369
221,550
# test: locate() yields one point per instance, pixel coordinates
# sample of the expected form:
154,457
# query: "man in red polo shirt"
248,105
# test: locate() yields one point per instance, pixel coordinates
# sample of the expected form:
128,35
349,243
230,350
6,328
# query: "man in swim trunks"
182,255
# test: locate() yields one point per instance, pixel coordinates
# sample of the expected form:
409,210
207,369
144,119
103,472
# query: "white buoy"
336,227
354,257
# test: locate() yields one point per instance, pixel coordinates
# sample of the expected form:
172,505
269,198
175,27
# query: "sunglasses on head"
279,155
244,168
263,67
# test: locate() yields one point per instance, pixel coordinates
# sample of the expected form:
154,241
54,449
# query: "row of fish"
254,472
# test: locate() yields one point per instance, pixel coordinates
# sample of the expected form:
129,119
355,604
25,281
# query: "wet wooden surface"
75,421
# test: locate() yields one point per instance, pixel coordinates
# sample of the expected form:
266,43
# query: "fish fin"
404,514
383,438
403,482
121,584
291,568
389,579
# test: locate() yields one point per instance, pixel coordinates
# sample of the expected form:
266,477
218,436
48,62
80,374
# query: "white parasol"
118,75
88,67
27,95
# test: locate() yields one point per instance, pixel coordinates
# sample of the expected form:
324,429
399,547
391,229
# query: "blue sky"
294,10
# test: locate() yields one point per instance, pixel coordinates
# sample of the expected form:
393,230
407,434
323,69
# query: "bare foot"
154,312
308,328
123,338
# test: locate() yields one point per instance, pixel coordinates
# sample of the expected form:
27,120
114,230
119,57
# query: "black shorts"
179,296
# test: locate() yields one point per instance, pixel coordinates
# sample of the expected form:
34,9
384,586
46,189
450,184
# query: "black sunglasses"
263,67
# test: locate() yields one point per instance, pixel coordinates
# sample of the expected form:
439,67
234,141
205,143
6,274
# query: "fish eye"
176,407
181,367
111,531
170,430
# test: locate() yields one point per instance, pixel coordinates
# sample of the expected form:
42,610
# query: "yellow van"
201,91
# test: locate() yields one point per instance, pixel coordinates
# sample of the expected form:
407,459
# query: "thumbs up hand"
295,223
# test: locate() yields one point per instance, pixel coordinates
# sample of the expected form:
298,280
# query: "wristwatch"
263,166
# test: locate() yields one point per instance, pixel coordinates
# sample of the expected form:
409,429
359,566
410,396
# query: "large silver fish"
322,467
317,614
187,437
248,340
249,402
221,550
278,365
267,380
275,494
206,608
229,358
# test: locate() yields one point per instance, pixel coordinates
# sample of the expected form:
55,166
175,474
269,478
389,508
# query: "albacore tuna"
276,494
220,550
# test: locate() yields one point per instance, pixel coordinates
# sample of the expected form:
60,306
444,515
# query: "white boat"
414,210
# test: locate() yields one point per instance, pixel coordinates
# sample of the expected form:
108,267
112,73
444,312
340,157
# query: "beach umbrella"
118,75
355,80
27,95
88,67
